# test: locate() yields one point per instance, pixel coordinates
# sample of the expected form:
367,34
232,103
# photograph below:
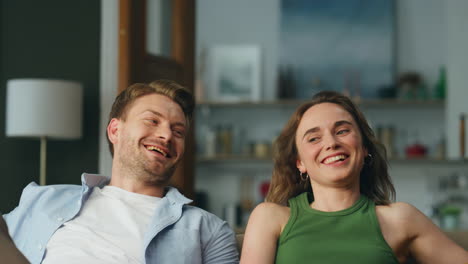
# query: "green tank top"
349,236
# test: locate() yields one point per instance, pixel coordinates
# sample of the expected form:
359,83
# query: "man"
132,217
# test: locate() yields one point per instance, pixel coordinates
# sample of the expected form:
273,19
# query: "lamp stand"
42,175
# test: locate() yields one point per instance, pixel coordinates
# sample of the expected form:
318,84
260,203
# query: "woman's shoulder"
407,229
265,225
274,215
402,218
271,209
398,211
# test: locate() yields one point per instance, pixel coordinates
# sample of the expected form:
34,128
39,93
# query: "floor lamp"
45,109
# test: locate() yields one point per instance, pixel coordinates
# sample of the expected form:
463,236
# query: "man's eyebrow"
160,115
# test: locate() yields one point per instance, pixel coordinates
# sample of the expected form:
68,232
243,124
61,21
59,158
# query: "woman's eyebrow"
316,129
342,122
311,130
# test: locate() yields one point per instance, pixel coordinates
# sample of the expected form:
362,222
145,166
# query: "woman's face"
329,145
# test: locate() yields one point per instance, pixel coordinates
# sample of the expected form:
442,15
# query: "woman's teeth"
334,158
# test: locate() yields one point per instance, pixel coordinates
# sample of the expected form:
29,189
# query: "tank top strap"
376,225
296,205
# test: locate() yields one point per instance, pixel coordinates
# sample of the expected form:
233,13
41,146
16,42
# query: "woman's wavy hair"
286,182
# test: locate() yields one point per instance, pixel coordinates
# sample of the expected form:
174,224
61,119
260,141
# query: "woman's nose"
330,142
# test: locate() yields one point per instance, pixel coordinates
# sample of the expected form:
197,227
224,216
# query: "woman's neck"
334,199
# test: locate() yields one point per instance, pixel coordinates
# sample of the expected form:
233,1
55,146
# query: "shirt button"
60,219
39,247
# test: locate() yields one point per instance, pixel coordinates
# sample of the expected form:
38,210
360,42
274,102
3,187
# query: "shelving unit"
252,116
295,102
252,159
220,175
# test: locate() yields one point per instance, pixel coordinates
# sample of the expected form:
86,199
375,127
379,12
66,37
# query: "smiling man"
132,216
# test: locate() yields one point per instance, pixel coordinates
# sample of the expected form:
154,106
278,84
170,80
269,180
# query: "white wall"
241,22
108,78
420,33
457,78
158,27
420,37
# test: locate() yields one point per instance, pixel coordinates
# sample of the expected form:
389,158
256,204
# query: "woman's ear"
113,130
300,166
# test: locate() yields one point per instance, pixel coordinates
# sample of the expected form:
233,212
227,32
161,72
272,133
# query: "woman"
330,197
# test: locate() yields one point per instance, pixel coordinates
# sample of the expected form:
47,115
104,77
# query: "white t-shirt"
109,229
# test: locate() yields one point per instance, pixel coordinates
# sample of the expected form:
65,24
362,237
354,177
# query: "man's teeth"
157,149
334,158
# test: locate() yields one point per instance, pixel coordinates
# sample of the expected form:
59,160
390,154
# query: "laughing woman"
330,199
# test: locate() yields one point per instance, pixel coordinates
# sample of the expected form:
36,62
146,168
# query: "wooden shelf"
253,159
428,161
232,158
295,102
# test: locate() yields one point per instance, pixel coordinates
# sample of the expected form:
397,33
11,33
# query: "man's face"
151,141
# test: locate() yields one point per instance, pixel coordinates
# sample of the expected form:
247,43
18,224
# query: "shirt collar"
173,195
93,180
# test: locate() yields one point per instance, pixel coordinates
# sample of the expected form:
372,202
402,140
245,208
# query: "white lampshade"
44,108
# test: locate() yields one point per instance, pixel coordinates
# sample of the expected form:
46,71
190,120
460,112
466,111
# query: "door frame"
120,60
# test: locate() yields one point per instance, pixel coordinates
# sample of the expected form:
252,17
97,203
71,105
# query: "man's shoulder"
195,218
193,212
36,194
190,212
38,204
203,220
214,232
58,189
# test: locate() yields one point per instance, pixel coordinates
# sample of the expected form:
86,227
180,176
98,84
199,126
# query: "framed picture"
346,46
234,73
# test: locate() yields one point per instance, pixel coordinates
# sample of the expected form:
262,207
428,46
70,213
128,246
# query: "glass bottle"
440,88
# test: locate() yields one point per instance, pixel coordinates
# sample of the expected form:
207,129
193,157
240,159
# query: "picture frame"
234,73
349,46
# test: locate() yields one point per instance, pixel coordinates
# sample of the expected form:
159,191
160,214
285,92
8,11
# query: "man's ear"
113,130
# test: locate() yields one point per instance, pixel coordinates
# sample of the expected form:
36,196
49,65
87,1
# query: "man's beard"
152,178
144,170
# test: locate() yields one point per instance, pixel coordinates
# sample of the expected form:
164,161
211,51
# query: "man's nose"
164,132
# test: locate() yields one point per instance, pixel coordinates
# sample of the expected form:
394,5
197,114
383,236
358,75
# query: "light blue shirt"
178,233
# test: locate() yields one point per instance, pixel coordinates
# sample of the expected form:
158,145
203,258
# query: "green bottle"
439,91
